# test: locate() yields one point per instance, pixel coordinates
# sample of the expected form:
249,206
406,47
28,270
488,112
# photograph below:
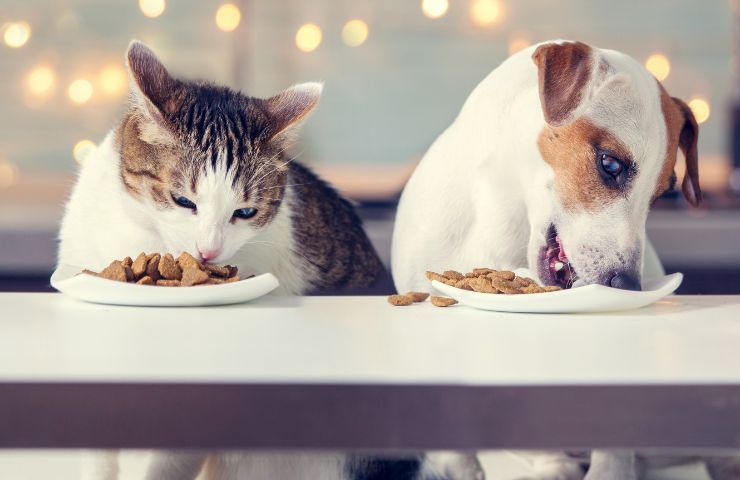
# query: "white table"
355,372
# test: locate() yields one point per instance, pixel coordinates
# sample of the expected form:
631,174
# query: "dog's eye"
183,202
245,212
611,165
613,171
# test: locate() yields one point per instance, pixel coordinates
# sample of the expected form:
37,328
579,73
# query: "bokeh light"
517,43
659,65
308,37
82,150
16,34
228,17
112,79
485,12
8,174
700,107
41,80
355,33
80,91
152,8
434,8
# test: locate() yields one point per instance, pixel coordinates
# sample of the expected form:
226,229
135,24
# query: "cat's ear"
289,107
152,87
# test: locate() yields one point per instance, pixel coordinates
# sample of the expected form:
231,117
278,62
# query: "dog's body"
562,148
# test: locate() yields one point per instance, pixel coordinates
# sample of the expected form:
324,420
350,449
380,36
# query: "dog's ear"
565,71
688,143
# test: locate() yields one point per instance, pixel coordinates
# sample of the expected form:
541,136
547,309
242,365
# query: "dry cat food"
166,271
488,280
418,297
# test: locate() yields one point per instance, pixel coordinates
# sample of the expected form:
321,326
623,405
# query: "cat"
198,168
193,167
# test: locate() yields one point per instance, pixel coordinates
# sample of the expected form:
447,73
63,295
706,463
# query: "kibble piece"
145,280
482,271
551,288
128,272
193,276
115,271
233,279
505,286
453,275
437,277
400,300
464,283
169,269
218,270
168,283
417,297
483,285
152,266
185,261
532,289
127,261
443,301
139,266
523,282
504,274
214,281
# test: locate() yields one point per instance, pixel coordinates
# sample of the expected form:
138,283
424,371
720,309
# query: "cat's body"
198,168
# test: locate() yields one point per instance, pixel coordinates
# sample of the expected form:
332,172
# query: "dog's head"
611,136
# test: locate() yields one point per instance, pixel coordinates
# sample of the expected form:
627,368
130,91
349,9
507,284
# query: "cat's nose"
206,255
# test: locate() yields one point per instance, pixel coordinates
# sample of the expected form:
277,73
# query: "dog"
552,165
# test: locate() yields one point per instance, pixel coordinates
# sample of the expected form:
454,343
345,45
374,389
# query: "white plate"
589,298
101,290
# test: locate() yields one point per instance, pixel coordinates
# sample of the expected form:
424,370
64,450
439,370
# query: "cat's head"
205,163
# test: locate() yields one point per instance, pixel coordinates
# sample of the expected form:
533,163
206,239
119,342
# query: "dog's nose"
625,281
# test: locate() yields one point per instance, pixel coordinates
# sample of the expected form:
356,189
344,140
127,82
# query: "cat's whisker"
275,167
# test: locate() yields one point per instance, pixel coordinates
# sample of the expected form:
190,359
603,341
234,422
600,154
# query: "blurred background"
396,73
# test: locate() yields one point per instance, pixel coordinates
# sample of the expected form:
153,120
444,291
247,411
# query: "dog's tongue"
561,251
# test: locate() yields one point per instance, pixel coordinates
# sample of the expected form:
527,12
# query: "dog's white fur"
483,196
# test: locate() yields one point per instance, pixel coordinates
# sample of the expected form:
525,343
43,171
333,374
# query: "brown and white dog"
551,165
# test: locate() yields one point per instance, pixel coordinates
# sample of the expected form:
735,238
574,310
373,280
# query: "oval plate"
589,298
88,288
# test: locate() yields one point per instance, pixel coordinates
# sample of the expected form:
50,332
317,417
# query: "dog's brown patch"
570,151
682,132
564,70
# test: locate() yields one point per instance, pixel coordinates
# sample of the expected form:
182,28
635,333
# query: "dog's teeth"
559,266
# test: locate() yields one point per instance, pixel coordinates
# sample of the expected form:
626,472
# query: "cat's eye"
245,212
614,171
183,202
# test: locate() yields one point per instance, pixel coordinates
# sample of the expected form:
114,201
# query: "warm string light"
8,174
80,91
659,65
152,8
355,33
41,80
16,34
700,108
82,150
228,17
434,8
485,12
112,79
308,37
